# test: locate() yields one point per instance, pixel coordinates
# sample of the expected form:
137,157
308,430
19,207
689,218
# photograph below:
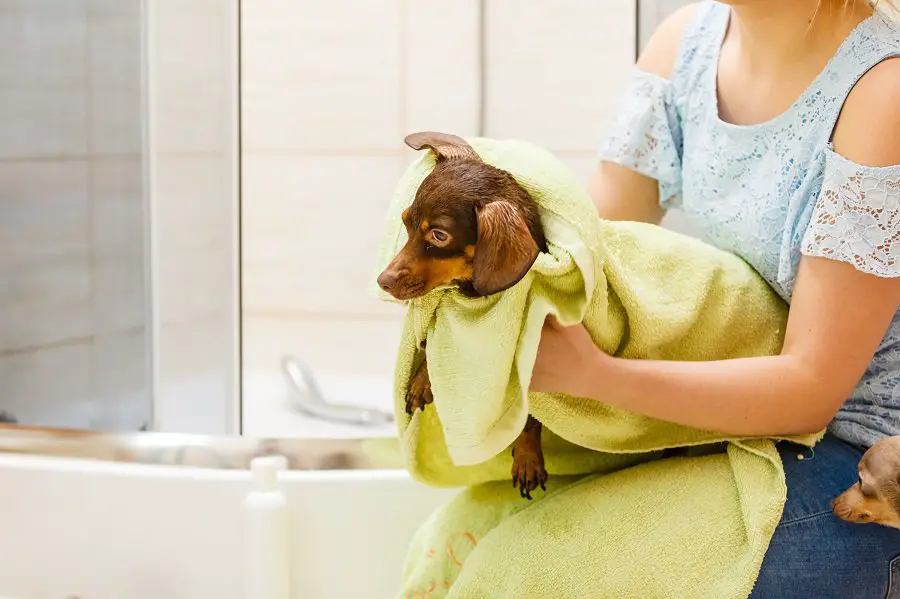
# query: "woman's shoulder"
683,38
661,53
872,100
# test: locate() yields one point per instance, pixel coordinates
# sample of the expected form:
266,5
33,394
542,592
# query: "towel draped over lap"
616,521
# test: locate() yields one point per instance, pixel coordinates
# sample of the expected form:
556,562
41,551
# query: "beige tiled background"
329,90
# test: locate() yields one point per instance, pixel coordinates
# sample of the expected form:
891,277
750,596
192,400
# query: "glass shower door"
74,327
118,214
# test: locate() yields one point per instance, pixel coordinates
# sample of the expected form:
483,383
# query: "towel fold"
634,521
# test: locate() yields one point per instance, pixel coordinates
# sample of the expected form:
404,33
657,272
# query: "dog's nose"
387,280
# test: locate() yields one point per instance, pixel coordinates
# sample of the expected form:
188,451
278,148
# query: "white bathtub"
101,530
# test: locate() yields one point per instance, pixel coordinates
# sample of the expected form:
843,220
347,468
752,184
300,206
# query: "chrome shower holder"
309,399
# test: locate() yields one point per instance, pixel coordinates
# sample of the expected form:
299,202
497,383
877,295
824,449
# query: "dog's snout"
388,280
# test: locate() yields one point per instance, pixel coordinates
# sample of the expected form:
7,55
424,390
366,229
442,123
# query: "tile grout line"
64,158
67,342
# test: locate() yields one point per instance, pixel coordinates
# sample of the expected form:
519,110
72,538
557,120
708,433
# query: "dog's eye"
862,488
439,237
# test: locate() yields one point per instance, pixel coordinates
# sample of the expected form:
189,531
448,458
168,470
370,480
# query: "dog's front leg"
528,459
419,393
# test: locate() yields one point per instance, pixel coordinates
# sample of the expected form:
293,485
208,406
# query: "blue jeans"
813,554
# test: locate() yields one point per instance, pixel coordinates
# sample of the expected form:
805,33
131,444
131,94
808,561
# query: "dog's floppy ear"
893,495
504,250
446,146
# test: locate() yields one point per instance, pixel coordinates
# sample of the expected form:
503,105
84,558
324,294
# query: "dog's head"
875,498
470,225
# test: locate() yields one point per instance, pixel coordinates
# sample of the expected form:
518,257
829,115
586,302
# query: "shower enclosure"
118,204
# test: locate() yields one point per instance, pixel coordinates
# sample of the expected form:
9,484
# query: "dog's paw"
528,472
419,394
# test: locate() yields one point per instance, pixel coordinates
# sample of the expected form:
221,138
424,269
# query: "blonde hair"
892,7
875,4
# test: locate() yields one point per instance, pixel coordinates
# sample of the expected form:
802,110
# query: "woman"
775,126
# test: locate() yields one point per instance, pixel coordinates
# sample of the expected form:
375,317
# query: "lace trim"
857,217
646,134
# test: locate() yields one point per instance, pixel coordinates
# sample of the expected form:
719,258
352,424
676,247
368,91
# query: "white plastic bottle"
267,550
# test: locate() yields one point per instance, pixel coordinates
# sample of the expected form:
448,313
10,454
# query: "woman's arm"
837,318
621,193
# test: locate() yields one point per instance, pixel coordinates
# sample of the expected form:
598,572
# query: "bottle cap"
265,471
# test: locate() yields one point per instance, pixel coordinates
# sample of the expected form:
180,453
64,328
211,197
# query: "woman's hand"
567,360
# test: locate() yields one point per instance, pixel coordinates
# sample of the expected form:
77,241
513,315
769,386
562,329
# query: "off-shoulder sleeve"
645,135
857,217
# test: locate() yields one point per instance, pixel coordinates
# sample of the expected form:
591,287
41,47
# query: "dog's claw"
528,473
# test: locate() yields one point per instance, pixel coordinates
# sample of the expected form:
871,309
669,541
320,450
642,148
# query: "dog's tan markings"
447,270
528,472
425,225
469,251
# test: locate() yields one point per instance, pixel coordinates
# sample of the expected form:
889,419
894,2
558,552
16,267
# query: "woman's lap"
813,553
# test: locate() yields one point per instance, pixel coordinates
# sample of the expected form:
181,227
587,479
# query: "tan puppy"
875,498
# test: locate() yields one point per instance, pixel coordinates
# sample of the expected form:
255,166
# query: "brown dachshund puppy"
875,498
473,226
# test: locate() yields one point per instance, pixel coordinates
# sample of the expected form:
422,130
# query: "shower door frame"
219,409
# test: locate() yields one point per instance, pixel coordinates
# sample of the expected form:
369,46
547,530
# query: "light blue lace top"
773,191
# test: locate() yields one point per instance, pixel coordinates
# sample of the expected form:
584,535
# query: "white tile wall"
114,75
119,380
45,269
115,187
193,50
311,227
118,258
50,386
45,209
334,345
321,75
43,82
193,210
440,47
555,68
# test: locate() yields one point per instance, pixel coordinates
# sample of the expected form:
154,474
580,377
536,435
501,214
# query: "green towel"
616,521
